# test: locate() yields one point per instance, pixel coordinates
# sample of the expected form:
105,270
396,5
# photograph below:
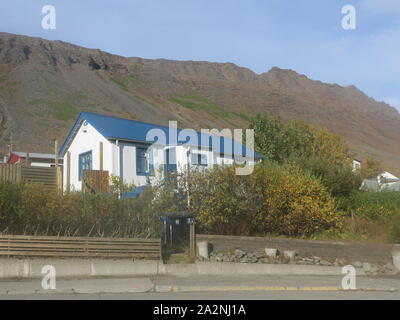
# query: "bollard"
202,249
396,257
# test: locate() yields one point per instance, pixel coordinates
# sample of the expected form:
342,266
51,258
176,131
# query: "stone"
271,252
366,266
357,264
252,259
219,257
340,262
317,259
240,253
389,266
259,255
325,263
374,269
289,254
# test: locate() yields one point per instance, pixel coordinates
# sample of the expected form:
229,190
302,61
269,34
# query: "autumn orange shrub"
272,200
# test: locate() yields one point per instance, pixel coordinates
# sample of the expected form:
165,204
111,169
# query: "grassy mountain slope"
44,84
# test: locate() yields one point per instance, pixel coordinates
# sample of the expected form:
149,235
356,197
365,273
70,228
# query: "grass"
196,103
363,230
63,111
375,205
62,108
122,81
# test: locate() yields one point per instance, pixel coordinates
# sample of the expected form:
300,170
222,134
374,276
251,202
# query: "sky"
303,35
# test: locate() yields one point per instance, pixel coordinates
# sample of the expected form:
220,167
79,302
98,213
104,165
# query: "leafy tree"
370,168
314,149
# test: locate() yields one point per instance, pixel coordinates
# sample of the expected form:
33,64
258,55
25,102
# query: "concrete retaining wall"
11,268
365,252
32,268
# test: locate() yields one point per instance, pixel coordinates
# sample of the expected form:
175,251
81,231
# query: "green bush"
314,149
30,209
375,205
395,232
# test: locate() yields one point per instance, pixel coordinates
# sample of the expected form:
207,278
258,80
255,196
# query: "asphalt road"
247,295
213,288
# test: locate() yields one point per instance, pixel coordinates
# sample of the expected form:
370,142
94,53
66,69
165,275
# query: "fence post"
56,165
27,160
68,182
192,241
101,156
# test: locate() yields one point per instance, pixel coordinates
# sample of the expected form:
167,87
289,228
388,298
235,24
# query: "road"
248,295
211,288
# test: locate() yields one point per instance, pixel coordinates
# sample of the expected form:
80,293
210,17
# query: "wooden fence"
95,181
49,177
11,245
10,172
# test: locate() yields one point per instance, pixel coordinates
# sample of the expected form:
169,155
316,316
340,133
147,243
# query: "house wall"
128,165
87,139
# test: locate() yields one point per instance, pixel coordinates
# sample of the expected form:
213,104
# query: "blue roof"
114,128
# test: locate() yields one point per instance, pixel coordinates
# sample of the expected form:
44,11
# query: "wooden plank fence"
10,172
45,176
18,173
95,181
48,246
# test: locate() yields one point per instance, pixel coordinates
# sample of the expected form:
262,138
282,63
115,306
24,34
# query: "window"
85,163
198,159
144,161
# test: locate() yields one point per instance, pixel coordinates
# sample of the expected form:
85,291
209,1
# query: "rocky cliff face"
44,84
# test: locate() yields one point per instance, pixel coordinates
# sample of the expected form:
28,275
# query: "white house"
134,150
383,181
356,164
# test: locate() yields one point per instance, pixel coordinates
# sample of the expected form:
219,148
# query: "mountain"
44,84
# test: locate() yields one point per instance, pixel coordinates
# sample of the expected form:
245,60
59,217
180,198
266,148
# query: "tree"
370,168
316,150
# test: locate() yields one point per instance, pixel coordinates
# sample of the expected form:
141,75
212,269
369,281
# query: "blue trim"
150,164
70,135
133,194
80,158
169,167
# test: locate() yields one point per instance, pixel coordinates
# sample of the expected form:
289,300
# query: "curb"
264,288
176,289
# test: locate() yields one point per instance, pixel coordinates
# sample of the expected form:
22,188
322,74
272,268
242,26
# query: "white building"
123,148
383,181
33,159
356,164
386,179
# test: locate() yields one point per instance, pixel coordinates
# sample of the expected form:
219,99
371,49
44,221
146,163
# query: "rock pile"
274,256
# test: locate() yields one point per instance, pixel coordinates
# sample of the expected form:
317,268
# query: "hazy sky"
303,35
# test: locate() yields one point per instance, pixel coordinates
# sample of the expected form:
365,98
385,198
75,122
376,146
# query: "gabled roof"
113,128
389,176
